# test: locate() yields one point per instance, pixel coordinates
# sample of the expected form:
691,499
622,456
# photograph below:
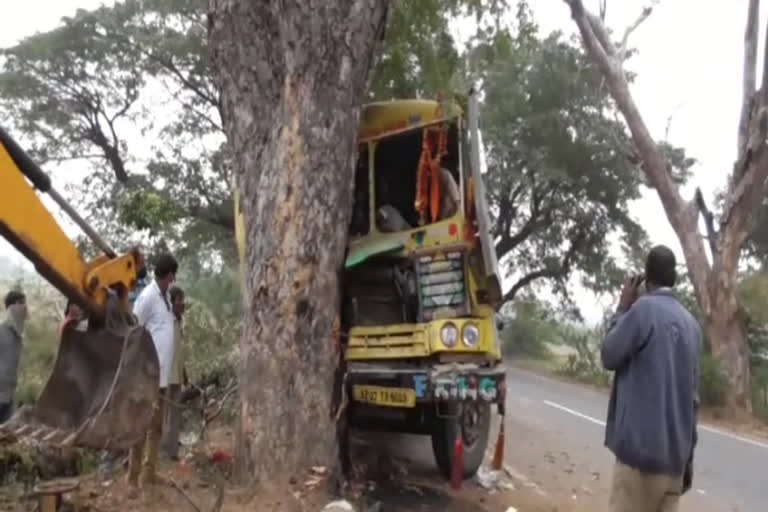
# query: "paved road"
554,437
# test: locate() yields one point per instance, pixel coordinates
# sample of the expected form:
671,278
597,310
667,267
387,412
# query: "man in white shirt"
153,311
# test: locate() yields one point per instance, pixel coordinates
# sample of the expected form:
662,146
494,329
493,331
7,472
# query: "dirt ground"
194,484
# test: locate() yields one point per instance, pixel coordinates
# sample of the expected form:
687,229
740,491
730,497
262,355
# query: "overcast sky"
689,68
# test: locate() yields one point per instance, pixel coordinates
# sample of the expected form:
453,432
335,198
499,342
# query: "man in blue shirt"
141,283
653,346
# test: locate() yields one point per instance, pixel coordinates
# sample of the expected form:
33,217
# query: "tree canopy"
128,90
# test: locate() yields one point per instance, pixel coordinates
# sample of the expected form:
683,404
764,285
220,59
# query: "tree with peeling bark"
561,169
293,76
715,282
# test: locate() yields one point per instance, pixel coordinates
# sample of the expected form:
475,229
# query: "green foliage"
558,161
560,178
529,331
760,389
211,323
211,328
81,91
585,364
712,383
419,56
753,296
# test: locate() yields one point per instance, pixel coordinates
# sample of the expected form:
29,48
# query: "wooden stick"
184,493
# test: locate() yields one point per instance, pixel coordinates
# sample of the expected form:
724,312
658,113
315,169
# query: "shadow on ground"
404,478
401,497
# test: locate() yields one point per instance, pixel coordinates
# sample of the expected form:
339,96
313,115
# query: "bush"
712,383
527,333
585,365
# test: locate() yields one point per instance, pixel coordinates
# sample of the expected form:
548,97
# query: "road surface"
554,450
554,434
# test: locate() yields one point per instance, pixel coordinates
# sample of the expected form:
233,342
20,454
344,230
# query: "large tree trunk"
729,331
293,74
726,324
715,285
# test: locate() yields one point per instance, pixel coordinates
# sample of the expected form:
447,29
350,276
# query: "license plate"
387,397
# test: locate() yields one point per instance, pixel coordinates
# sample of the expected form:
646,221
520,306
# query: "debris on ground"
339,506
493,481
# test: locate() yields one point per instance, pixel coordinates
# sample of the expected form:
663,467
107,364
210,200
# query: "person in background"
11,337
141,283
153,311
74,317
449,195
177,378
653,346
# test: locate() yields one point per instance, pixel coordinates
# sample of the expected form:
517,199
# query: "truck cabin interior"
396,171
384,290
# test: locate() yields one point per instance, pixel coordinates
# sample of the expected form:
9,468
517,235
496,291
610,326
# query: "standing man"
653,347
178,377
153,311
11,331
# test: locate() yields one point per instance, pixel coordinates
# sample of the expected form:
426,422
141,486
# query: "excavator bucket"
100,395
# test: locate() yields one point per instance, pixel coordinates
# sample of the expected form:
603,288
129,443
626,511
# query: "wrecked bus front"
421,281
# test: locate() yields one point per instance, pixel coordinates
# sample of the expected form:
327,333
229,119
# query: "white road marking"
575,413
735,437
707,428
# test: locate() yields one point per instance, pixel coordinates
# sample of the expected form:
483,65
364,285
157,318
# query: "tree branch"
166,63
654,162
551,271
509,242
749,176
709,222
220,219
749,78
507,208
639,21
527,280
534,222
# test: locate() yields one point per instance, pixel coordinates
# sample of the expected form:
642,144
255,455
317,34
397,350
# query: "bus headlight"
470,335
449,335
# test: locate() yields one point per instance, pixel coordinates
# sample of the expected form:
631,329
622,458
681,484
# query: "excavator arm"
105,379
31,228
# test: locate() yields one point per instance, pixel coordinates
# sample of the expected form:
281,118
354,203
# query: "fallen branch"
220,484
184,493
208,418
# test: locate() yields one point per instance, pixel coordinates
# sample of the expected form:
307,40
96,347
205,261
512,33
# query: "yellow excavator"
105,379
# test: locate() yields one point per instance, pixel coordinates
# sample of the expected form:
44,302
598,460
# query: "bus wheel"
471,421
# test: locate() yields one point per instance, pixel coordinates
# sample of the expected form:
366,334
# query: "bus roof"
381,118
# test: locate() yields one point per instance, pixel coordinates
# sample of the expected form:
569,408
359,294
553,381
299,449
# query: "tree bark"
714,285
292,75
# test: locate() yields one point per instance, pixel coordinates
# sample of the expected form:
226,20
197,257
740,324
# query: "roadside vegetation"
543,338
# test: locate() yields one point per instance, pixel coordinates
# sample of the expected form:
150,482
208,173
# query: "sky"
689,70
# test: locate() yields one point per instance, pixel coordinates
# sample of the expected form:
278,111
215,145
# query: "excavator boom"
105,379
30,227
